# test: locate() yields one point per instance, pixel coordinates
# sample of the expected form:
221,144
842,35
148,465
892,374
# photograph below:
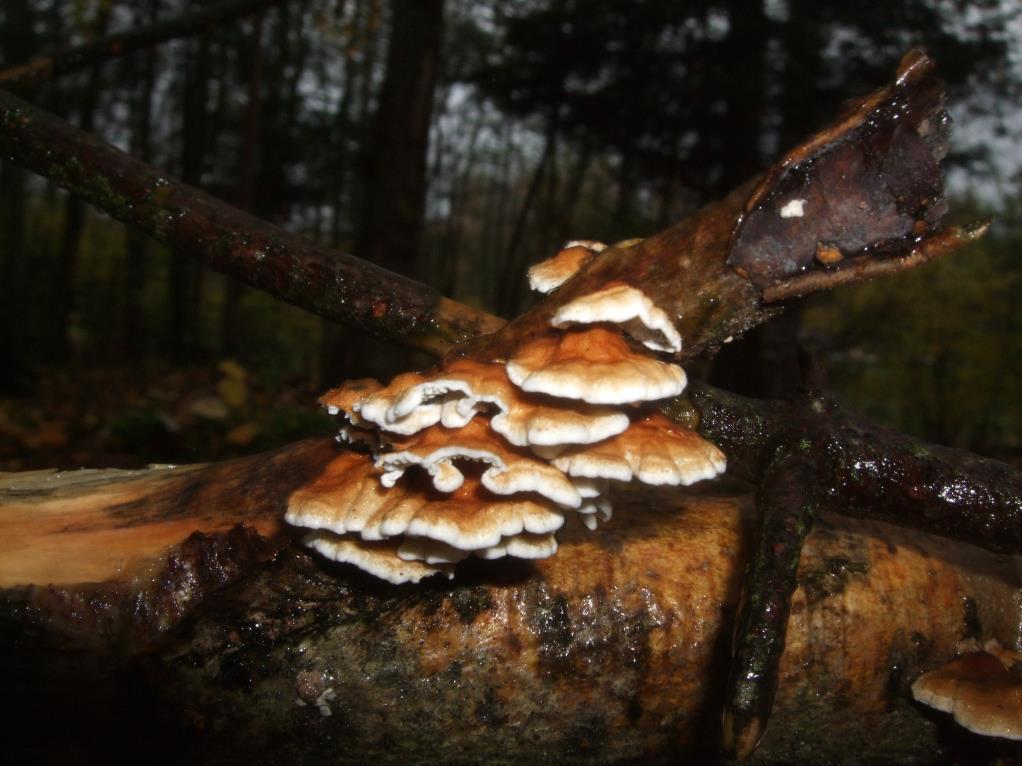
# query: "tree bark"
610,651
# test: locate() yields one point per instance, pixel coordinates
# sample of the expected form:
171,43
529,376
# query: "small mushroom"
655,450
982,690
595,365
546,276
628,307
380,559
348,398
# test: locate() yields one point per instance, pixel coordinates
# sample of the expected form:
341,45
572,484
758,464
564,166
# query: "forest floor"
118,417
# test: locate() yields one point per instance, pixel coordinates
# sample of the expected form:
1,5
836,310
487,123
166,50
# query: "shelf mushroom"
487,458
981,689
550,274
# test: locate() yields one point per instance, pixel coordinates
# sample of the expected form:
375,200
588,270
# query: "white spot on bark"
793,209
323,702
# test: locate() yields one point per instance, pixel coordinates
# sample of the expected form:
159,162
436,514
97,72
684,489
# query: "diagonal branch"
698,270
114,46
191,222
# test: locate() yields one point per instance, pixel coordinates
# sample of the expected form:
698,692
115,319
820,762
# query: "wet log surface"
612,651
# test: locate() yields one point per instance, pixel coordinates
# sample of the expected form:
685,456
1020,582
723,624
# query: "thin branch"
787,505
684,269
114,46
873,472
865,267
328,283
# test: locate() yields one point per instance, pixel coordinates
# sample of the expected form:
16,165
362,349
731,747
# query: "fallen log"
610,651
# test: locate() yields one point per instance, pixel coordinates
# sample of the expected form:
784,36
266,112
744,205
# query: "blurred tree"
134,328
18,44
186,276
63,283
550,121
394,171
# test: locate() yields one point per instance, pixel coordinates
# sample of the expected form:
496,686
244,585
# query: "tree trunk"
18,43
136,244
394,178
186,275
509,285
764,362
57,342
394,169
245,195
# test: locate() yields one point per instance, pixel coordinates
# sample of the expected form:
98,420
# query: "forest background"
459,142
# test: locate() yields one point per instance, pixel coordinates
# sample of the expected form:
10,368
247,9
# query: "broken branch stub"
870,184
862,197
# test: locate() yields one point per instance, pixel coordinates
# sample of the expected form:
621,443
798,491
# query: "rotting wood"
61,528
610,650
716,315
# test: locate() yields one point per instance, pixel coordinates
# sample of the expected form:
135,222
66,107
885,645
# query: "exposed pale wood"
59,528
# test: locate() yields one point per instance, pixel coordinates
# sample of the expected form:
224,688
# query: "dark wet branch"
80,57
808,456
863,267
786,503
870,471
191,222
696,270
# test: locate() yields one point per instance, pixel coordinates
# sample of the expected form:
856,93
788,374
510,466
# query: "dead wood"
191,222
609,651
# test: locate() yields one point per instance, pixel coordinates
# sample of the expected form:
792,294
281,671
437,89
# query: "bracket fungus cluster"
488,458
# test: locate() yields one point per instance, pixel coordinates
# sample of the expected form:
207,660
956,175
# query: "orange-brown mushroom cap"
627,307
980,689
348,498
379,558
511,469
348,398
521,418
550,274
655,450
595,365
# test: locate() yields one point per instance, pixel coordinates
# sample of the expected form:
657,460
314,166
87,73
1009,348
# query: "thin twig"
864,267
114,46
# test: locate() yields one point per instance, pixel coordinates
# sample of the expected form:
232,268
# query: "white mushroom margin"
485,459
